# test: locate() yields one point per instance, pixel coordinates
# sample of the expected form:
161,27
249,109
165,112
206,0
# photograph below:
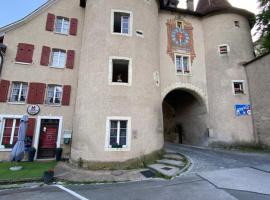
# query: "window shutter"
36,93
45,56
70,59
4,87
25,53
41,87
50,22
73,26
66,95
31,127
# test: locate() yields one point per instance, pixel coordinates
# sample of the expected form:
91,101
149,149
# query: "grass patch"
241,146
30,170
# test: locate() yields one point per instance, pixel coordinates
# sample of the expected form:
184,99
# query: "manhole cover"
166,168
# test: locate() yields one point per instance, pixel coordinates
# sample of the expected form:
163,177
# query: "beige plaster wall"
258,74
34,33
221,70
97,100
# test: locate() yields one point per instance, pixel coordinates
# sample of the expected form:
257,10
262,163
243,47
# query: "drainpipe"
2,53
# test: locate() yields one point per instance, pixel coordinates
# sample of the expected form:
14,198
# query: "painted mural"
180,38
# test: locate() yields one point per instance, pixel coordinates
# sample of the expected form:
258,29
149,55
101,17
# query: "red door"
48,138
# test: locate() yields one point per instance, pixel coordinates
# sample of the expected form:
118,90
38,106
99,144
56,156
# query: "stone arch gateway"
185,116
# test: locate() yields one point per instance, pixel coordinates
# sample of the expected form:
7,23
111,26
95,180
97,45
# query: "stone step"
175,163
173,157
165,170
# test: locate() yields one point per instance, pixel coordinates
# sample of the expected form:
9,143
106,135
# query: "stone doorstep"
173,157
165,170
175,163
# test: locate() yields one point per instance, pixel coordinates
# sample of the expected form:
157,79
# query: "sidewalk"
65,172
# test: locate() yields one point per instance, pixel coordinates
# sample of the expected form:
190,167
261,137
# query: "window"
9,134
62,25
118,133
223,49
182,64
120,71
18,92
179,24
58,58
122,22
54,95
238,87
237,24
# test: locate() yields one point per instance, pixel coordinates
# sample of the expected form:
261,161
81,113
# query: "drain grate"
148,174
167,168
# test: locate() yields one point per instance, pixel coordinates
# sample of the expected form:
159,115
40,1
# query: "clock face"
180,37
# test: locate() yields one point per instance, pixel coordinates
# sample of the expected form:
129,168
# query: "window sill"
59,33
53,105
122,34
16,103
181,74
23,63
117,149
241,94
120,84
57,67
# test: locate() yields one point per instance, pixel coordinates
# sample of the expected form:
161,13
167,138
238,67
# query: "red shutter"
31,127
4,87
73,26
70,59
45,56
50,22
25,53
36,93
66,95
41,87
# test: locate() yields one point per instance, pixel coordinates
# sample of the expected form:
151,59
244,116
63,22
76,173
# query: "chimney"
171,3
190,5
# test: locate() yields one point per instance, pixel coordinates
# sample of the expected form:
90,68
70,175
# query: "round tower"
227,45
118,106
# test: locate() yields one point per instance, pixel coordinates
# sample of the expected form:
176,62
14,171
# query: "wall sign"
33,109
242,110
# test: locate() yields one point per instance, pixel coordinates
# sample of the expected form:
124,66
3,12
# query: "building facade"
108,80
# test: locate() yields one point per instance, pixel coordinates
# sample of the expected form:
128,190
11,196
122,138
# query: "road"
191,186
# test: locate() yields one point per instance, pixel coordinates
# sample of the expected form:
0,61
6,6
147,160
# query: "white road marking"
71,192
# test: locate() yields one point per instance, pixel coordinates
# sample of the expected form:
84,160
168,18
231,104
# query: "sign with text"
242,110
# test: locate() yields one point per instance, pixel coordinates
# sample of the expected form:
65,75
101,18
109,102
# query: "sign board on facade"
242,110
33,109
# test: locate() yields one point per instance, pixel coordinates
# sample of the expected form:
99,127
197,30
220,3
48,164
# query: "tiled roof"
207,6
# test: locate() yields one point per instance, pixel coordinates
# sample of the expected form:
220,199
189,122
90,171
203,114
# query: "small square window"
62,25
182,64
223,49
179,24
120,71
238,87
54,95
237,24
121,23
18,92
58,58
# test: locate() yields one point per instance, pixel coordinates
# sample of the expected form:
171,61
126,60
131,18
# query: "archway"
185,118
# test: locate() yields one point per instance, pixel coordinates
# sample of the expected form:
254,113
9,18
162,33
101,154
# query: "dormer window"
122,22
62,25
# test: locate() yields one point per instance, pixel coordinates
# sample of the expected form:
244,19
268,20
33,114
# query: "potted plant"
117,146
48,176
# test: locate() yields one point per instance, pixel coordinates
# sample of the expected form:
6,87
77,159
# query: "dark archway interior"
184,119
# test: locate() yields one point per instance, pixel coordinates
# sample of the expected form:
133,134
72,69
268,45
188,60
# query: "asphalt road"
187,187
